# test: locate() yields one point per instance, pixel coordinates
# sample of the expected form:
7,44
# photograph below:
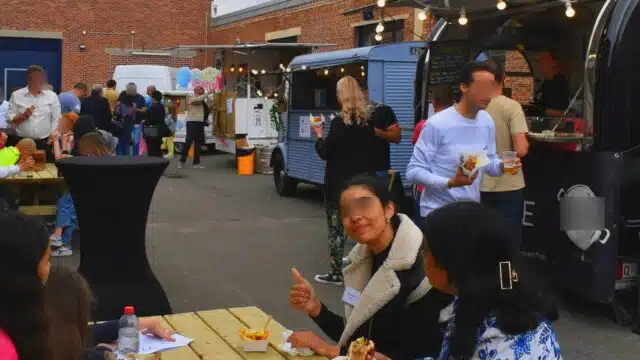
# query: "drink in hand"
509,162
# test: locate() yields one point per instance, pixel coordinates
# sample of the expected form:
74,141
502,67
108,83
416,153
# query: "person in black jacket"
388,298
156,115
99,107
348,150
68,307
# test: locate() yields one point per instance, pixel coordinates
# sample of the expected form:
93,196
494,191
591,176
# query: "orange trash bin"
246,161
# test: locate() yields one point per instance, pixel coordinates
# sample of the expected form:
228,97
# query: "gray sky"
229,6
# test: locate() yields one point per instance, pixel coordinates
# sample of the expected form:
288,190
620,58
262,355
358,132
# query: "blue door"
17,54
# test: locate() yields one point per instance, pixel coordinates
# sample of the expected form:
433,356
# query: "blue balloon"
183,76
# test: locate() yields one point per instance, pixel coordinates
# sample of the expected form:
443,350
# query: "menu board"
445,61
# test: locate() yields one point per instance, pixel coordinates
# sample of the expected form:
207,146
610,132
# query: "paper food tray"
255,345
482,161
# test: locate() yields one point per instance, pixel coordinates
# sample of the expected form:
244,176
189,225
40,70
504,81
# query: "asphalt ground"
218,240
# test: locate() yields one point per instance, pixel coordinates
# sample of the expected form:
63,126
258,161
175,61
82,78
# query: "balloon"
182,77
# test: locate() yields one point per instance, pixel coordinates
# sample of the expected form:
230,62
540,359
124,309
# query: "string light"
240,69
382,3
462,20
288,69
570,11
380,27
362,67
259,93
501,4
378,37
275,94
422,16
341,70
281,66
326,71
263,71
254,72
233,68
363,73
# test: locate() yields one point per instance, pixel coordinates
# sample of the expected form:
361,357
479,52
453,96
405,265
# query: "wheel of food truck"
178,148
285,186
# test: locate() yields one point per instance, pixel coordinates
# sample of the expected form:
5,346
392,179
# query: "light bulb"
378,37
281,66
254,72
422,16
462,20
304,67
259,93
570,12
275,94
362,67
326,71
501,5
240,69
263,71
288,69
380,27
341,70
233,69
382,3
363,73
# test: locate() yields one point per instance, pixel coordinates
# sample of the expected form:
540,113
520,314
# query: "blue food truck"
387,71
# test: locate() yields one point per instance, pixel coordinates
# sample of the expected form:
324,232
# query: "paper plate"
482,161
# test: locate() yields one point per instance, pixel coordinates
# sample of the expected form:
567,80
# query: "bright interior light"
380,28
501,5
382,3
570,12
378,37
304,67
422,16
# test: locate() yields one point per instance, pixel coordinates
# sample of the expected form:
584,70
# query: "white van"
162,77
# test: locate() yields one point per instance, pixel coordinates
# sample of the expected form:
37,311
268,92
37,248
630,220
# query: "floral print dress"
493,344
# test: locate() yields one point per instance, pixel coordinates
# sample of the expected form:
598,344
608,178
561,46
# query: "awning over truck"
250,46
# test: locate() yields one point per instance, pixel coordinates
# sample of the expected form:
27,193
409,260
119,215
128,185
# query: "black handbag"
152,131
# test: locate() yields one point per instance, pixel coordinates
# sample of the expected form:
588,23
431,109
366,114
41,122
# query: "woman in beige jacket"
195,126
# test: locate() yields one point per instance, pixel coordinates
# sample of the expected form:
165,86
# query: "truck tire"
178,148
285,186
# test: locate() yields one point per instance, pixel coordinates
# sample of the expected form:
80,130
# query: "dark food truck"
588,149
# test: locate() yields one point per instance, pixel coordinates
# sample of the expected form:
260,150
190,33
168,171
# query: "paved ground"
219,240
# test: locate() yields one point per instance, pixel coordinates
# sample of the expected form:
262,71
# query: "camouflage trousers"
337,239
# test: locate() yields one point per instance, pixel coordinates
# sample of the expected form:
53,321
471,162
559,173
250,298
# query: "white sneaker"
198,166
55,241
62,251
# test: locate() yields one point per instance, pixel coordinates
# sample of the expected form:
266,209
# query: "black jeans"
154,145
195,135
509,204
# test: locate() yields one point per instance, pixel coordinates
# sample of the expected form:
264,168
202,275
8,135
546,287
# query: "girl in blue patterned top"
498,313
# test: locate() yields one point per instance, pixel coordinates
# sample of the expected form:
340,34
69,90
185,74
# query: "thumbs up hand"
302,296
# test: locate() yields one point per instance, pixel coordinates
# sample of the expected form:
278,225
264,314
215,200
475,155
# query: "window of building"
316,88
393,32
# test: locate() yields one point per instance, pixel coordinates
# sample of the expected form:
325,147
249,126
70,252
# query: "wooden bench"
32,180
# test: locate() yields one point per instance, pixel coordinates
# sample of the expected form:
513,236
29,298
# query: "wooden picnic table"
215,335
33,180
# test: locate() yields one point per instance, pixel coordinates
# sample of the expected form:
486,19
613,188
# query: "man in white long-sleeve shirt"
462,128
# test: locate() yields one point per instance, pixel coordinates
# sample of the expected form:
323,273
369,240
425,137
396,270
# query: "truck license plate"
629,270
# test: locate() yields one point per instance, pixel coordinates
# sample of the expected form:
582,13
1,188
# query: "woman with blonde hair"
347,152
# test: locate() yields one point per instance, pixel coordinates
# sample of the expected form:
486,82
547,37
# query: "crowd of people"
419,287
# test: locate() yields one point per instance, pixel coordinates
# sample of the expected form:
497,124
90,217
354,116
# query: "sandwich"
361,349
470,162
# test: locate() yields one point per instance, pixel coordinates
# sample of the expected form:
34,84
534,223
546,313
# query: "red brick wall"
321,22
158,24
521,86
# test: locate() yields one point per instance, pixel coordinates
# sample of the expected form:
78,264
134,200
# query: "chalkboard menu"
445,61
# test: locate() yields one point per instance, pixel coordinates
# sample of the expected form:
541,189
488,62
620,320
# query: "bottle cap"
129,310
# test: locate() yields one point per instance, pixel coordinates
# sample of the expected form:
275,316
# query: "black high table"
112,195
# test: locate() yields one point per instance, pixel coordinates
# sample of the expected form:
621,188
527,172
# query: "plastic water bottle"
128,336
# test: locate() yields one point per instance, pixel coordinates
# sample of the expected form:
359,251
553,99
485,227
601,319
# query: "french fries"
254,335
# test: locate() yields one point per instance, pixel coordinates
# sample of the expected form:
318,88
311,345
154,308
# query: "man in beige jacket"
195,126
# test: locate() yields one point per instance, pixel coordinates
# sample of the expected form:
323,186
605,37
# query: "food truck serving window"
316,88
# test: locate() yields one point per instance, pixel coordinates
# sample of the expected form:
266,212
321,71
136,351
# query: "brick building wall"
157,24
321,21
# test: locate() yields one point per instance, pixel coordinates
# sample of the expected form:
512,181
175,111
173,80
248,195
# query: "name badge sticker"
351,296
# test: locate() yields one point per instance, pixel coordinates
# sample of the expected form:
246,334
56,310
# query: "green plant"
274,116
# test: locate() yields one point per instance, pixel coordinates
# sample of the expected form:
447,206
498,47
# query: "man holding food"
34,111
458,145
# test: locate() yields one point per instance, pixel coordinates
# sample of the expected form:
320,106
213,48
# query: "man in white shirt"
462,128
34,111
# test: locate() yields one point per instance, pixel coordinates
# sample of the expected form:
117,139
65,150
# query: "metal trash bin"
263,158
